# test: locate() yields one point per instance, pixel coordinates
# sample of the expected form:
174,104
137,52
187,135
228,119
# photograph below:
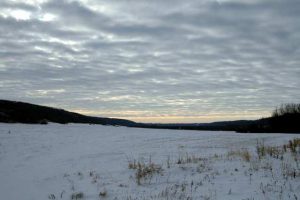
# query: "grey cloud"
153,58
17,5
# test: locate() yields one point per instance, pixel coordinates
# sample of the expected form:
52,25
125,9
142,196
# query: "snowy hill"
103,162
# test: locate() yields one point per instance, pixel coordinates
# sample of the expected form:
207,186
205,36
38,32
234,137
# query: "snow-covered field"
102,162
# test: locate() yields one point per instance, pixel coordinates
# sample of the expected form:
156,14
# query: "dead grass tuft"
244,154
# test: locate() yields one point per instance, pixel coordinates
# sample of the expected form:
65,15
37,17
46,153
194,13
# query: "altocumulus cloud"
198,60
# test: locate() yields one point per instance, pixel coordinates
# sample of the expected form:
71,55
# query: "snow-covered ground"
100,162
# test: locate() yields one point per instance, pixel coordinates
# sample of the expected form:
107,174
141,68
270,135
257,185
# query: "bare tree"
284,109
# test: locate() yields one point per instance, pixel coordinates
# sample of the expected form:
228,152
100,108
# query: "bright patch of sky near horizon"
152,61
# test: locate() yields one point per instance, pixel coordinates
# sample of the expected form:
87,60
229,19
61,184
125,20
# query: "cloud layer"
199,60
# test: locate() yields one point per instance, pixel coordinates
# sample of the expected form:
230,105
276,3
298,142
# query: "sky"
152,61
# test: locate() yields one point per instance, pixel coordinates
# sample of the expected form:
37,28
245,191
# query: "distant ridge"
285,120
20,112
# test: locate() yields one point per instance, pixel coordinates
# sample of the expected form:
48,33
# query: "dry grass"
185,159
294,145
277,152
144,170
244,154
103,193
77,195
133,164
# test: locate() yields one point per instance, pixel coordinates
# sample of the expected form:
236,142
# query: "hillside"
237,125
19,112
13,111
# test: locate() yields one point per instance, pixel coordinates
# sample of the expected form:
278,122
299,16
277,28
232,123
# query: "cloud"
148,59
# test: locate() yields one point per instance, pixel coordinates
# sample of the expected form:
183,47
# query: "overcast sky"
152,60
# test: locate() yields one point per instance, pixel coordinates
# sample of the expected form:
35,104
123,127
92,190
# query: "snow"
55,161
